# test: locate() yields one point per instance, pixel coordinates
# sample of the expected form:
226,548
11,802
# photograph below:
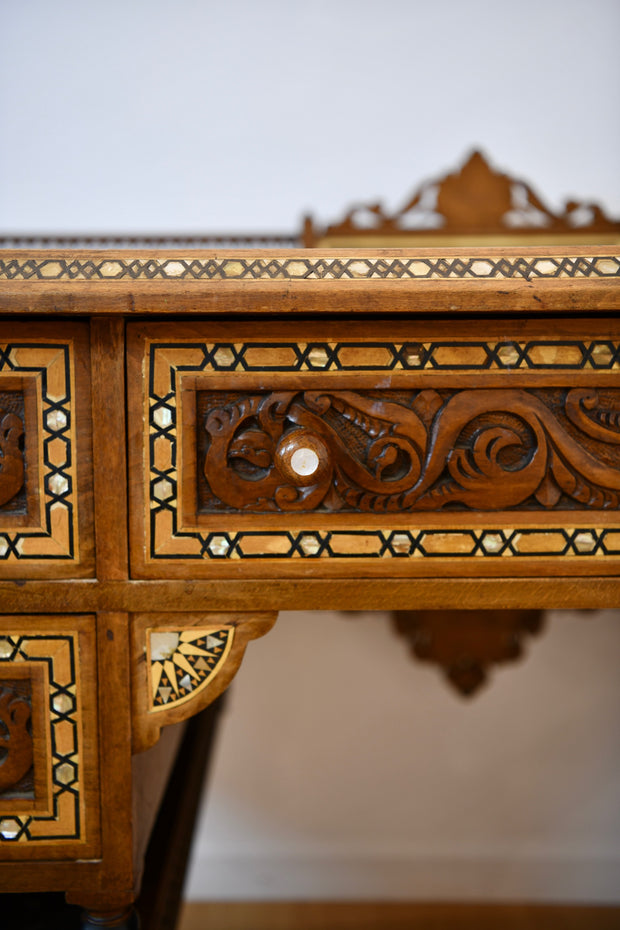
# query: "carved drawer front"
45,451
418,448
48,738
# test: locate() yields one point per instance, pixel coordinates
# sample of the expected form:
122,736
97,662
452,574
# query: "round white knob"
304,461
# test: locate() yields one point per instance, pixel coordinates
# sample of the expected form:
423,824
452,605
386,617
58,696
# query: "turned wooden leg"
124,919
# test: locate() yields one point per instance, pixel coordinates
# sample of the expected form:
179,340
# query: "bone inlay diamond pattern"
48,531
289,269
427,356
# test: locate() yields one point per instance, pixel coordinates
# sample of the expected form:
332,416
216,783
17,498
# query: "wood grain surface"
266,282
402,916
460,413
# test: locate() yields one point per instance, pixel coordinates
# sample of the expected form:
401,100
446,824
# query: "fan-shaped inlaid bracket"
180,668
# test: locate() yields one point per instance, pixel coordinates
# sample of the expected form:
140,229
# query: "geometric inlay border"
54,535
295,268
427,355
580,541
386,543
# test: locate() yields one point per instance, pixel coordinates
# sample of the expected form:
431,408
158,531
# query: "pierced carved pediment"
475,200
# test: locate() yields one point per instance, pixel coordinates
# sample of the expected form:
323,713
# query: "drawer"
438,448
46,527
48,738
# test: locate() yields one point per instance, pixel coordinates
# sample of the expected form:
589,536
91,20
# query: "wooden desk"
192,441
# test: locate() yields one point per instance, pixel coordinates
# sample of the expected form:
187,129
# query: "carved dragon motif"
483,449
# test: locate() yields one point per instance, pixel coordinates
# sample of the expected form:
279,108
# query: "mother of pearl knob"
304,461
303,457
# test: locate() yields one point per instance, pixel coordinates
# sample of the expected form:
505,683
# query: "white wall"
152,115
344,770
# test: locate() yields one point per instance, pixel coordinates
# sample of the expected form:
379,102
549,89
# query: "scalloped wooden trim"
466,644
181,663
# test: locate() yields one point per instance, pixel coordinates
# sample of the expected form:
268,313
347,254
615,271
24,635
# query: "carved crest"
475,200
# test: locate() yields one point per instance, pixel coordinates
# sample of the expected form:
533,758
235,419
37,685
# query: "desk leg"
123,919
107,895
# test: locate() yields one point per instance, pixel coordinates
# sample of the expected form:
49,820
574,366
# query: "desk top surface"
535,281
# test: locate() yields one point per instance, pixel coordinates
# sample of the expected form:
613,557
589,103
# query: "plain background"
194,115
344,770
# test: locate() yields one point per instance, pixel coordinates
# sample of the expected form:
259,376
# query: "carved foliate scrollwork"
11,455
485,449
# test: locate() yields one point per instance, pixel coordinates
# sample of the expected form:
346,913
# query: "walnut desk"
190,442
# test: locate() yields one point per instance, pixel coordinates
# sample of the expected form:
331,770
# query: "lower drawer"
49,807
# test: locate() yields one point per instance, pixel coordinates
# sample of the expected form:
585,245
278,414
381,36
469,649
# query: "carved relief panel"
45,485
404,449
399,451
48,738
